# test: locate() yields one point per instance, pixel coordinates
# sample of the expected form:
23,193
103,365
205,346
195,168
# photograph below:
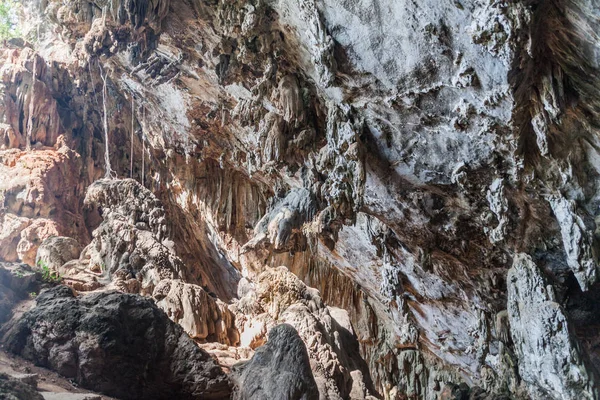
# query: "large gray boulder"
55,251
119,344
279,370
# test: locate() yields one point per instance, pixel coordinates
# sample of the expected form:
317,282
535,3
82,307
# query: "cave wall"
414,162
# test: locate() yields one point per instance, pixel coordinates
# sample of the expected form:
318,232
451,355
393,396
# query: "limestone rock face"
29,112
128,245
549,360
39,197
131,251
426,173
115,343
277,296
278,370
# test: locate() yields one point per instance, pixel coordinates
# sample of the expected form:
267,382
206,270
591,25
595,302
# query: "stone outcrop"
278,370
277,296
38,200
119,344
131,251
127,246
29,112
549,359
17,282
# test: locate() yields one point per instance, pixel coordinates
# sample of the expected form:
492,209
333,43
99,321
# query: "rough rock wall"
397,156
550,361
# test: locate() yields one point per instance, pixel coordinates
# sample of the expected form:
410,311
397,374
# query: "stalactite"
108,172
132,129
104,12
143,148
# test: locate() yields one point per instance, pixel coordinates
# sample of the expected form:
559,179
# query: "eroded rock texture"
12,389
548,357
410,185
278,370
277,296
17,281
115,343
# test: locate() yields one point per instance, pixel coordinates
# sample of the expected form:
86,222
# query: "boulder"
16,282
279,370
55,251
119,344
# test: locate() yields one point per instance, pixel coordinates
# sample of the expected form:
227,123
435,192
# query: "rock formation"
17,281
278,370
12,389
410,187
549,360
277,296
115,343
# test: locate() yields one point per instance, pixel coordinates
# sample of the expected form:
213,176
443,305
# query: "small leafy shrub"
48,275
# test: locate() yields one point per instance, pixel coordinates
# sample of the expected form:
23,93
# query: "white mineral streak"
107,169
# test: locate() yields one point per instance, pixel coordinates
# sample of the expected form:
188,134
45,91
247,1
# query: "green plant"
32,295
8,19
48,275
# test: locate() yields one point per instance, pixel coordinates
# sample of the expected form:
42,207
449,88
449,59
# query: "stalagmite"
132,129
108,171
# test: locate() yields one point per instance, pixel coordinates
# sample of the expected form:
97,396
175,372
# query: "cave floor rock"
48,383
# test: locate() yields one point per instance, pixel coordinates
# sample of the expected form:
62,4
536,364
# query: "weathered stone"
550,361
278,296
55,251
114,343
12,389
196,311
280,369
17,281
